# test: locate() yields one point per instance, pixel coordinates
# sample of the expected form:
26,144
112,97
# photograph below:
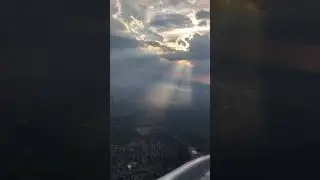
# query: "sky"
159,48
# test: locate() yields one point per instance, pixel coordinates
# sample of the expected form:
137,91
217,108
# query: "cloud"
199,50
171,21
145,34
203,14
200,47
117,41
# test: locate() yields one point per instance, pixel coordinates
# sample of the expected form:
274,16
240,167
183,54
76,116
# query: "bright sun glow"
185,63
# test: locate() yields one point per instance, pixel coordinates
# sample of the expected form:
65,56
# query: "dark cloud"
203,23
171,20
203,14
122,42
174,2
200,47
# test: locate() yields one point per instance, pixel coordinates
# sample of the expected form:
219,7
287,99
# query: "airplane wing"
197,169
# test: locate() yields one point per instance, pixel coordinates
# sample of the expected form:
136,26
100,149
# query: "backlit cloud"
152,44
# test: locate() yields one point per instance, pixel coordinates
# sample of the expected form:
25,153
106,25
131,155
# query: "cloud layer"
146,35
171,24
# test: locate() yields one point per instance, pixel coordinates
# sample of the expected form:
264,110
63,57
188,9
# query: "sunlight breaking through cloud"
161,49
146,26
176,89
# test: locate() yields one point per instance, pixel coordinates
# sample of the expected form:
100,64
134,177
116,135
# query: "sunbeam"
173,90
